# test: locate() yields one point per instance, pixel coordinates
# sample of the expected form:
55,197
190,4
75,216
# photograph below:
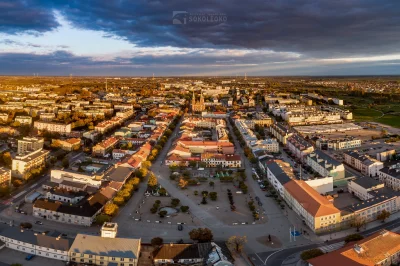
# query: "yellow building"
198,106
316,211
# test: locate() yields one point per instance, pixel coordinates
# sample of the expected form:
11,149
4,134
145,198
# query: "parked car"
180,227
39,223
29,257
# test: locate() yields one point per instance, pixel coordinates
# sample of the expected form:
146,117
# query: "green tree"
157,241
146,164
111,209
237,243
383,215
7,159
119,201
102,218
211,184
353,237
201,235
175,202
162,213
152,182
213,196
184,208
312,253
65,162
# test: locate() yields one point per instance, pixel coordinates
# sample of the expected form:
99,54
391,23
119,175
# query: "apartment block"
22,164
337,144
366,165
299,147
325,165
53,127
28,144
390,175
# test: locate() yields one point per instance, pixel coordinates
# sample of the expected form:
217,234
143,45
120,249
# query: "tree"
65,162
182,183
184,208
237,243
7,159
157,241
119,201
201,235
125,194
152,182
102,218
146,164
204,200
312,253
192,163
162,191
141,173
25,225
358,222
353,237
173,167
213,196
175,202
204,193
162,213
17,182
111,209
211,184
383,215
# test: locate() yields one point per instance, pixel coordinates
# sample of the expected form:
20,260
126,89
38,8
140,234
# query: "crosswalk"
332,247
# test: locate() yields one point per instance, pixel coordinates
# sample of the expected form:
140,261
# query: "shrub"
153,210
353,237
175,202
312,253
196,193
158,202
184,208
162,213
213,196
204,201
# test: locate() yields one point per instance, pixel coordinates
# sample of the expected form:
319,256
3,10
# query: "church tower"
201,98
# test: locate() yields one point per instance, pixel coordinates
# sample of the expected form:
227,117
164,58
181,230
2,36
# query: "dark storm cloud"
319,28
25,16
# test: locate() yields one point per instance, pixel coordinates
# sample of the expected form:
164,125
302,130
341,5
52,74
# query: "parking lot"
11,256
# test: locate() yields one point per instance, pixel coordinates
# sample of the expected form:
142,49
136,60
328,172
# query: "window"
122,259
90,256
112,258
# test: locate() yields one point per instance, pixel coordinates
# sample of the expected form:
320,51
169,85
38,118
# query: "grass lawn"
365,114
391,120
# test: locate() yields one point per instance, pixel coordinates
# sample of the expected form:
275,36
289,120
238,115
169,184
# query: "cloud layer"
259,37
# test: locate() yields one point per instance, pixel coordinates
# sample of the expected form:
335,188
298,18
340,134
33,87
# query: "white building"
325,165
22,164
278,174
338,144
52,127
299,146
23,120
51,245
28,144
366,165
281,132
390,175
268,145
364,188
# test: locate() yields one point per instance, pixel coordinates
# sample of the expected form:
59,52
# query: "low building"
221,160
92,180
22,164
51,245
268,145
97,250
325,165
52,127
5,176
366,165
390,175
381,248
338,144
317,212
105,146
364,188
299,147
181,254
281,132
385,155
23,120
72,144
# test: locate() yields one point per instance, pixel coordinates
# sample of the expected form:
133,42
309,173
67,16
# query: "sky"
199,37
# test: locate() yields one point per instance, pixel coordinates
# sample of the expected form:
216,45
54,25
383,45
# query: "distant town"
199,170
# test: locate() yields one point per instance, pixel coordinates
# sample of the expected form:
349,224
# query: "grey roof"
73,184
366,182
317,154
392,170
28,236
119,174
366,160
279,171
297,139
103,246
368,203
